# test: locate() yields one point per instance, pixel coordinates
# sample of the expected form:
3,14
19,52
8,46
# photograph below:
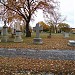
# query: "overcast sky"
66,9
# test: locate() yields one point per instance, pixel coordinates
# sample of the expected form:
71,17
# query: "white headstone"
71,42
18,32
66,34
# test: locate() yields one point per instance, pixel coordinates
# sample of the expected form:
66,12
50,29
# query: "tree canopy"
64,27
45,26
24,9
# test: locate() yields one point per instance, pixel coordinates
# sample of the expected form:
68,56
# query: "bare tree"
57,18
54,17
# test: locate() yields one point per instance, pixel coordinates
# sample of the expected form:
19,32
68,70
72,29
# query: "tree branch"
20,13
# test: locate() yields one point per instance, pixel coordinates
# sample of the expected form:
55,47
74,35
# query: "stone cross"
37,29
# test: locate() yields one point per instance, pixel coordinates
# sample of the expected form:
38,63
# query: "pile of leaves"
55,42
18,64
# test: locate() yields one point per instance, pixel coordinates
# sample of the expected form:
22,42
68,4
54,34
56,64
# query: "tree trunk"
28,33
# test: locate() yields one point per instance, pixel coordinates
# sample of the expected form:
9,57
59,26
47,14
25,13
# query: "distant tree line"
59,28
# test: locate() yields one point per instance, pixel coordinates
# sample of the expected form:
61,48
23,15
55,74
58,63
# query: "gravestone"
71,42
37,39
5,33
66,34
18,37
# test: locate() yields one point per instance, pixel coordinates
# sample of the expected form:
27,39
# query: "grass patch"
57,41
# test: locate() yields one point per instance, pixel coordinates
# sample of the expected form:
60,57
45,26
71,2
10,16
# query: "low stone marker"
5,33
37,39
71,43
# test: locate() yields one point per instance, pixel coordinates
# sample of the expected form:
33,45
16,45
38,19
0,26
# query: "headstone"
18,37
5,33
71,43
66,34
37,39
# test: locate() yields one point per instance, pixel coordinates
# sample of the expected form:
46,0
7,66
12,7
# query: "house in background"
73,30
